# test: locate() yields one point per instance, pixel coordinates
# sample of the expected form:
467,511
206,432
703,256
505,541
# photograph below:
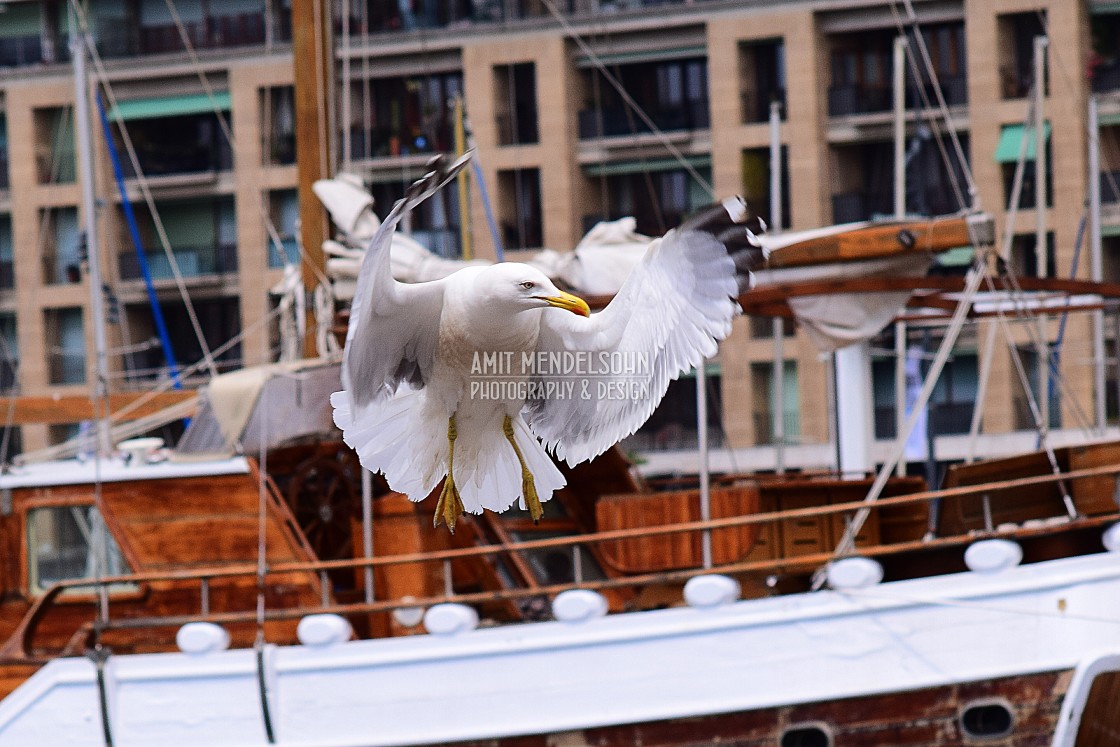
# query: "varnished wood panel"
1100,721
1094,495
961,514
667,552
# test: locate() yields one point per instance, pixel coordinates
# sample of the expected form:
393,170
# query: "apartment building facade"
559,148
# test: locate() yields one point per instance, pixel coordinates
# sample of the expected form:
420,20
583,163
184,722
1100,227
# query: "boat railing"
19,647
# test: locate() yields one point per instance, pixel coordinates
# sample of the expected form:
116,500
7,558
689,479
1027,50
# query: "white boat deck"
563,676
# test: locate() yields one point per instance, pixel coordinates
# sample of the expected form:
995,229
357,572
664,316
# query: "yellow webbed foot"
528,485
449,507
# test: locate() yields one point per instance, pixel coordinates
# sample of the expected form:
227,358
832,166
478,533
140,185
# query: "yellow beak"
574,304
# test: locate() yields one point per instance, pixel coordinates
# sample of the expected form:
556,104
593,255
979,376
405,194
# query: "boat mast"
1096,272
777,328
313,64
900,45
83,127
1040,249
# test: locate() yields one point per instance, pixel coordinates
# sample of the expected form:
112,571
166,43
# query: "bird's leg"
449,507
528,485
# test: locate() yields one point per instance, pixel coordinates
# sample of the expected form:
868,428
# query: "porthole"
806,736
987,720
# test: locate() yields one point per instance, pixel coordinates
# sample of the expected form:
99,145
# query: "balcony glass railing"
238,30
185,158
390,17
21,50
693,115
192,262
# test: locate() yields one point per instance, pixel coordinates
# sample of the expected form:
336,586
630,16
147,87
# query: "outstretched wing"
667,317
394,326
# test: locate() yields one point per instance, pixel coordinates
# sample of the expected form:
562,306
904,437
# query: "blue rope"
130,218
499,252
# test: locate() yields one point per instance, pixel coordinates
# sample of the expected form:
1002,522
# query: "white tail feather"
407,442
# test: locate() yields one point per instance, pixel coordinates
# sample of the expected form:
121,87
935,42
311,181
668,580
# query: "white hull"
629,668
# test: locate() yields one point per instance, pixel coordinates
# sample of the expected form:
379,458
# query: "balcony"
193,262
386,142
186,158
238,30
594,123
21,50
845,100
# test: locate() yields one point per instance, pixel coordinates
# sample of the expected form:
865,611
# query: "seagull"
474,378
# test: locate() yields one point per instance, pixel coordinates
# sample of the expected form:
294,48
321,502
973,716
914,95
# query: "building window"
7,254
765,404
520,191
70,542
673,424
202,234
404,116
66,343
1024,416
862,66
4,178
278,125
283,210
950,405
656,195
1015,48
515,98
207,25
863,181
756,183
1027,199
673,94
166,142
54,145
61,245
762,327
1024,256
1104,63
21,35
219,319
9,353
762,79
945,42
984,721
434,223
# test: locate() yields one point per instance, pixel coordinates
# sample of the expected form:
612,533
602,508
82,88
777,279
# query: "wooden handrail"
17,646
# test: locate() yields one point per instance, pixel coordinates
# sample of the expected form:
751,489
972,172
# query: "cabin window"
987,720
806,736
69,542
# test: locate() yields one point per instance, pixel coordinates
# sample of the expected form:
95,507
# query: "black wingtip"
440,170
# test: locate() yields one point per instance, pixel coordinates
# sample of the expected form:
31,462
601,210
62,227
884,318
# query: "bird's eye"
528,285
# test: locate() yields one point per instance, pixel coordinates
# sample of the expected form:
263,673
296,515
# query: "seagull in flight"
474,378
